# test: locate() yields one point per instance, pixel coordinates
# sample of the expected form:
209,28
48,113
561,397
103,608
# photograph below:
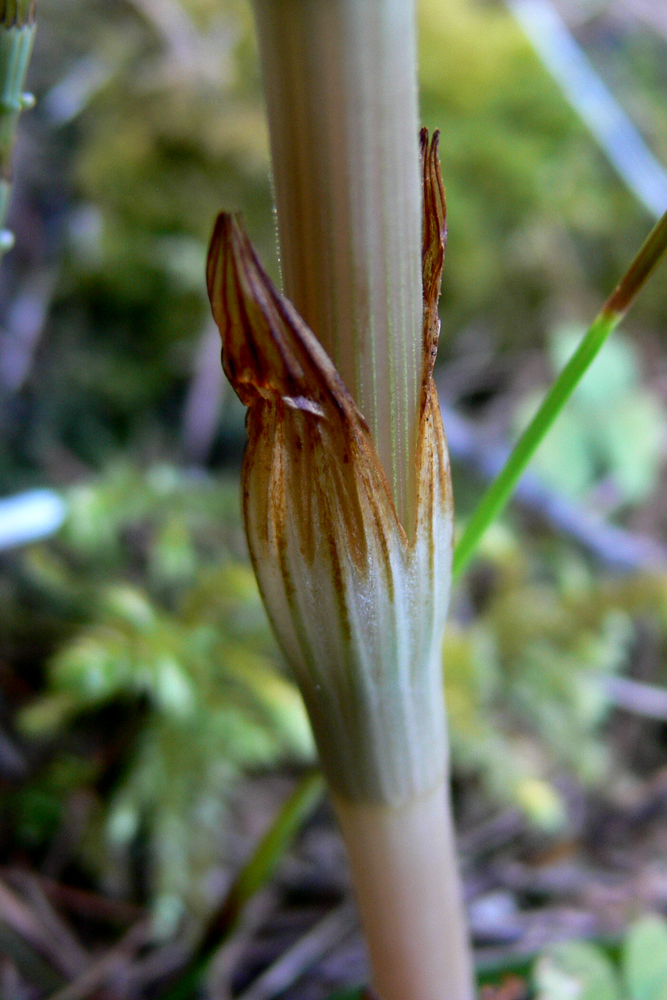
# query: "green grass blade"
612,313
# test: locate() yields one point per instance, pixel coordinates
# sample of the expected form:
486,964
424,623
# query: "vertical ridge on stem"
340,82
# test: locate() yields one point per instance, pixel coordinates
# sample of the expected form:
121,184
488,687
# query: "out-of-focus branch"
99,972
188,51
634,696
204,399
29,517
652,14
291,965
26,319
593,101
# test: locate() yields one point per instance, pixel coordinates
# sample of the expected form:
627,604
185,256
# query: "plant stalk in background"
347,495
17,34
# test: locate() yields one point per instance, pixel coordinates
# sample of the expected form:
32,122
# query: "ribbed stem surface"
340,82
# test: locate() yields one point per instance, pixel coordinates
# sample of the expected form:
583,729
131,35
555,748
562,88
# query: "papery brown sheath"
357,602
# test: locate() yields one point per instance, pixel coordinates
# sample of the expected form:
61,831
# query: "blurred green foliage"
165,615
577,968
537,219
159,616
610,437
524,667
144,609
155,111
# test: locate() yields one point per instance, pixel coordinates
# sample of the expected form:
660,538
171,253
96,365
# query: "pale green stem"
609,317
17,32
340,83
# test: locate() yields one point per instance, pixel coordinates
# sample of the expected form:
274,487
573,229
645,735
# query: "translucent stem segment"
340,82
406,879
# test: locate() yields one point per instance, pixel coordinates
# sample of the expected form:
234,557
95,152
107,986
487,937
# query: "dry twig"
99,972
312,946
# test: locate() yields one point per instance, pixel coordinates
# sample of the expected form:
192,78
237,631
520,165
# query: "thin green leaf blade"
618,303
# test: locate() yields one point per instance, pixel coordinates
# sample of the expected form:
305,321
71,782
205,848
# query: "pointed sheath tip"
223,234
255,356
434,239
268,352
434,217
17,13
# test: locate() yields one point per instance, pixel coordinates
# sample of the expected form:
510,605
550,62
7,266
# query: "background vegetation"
138,678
